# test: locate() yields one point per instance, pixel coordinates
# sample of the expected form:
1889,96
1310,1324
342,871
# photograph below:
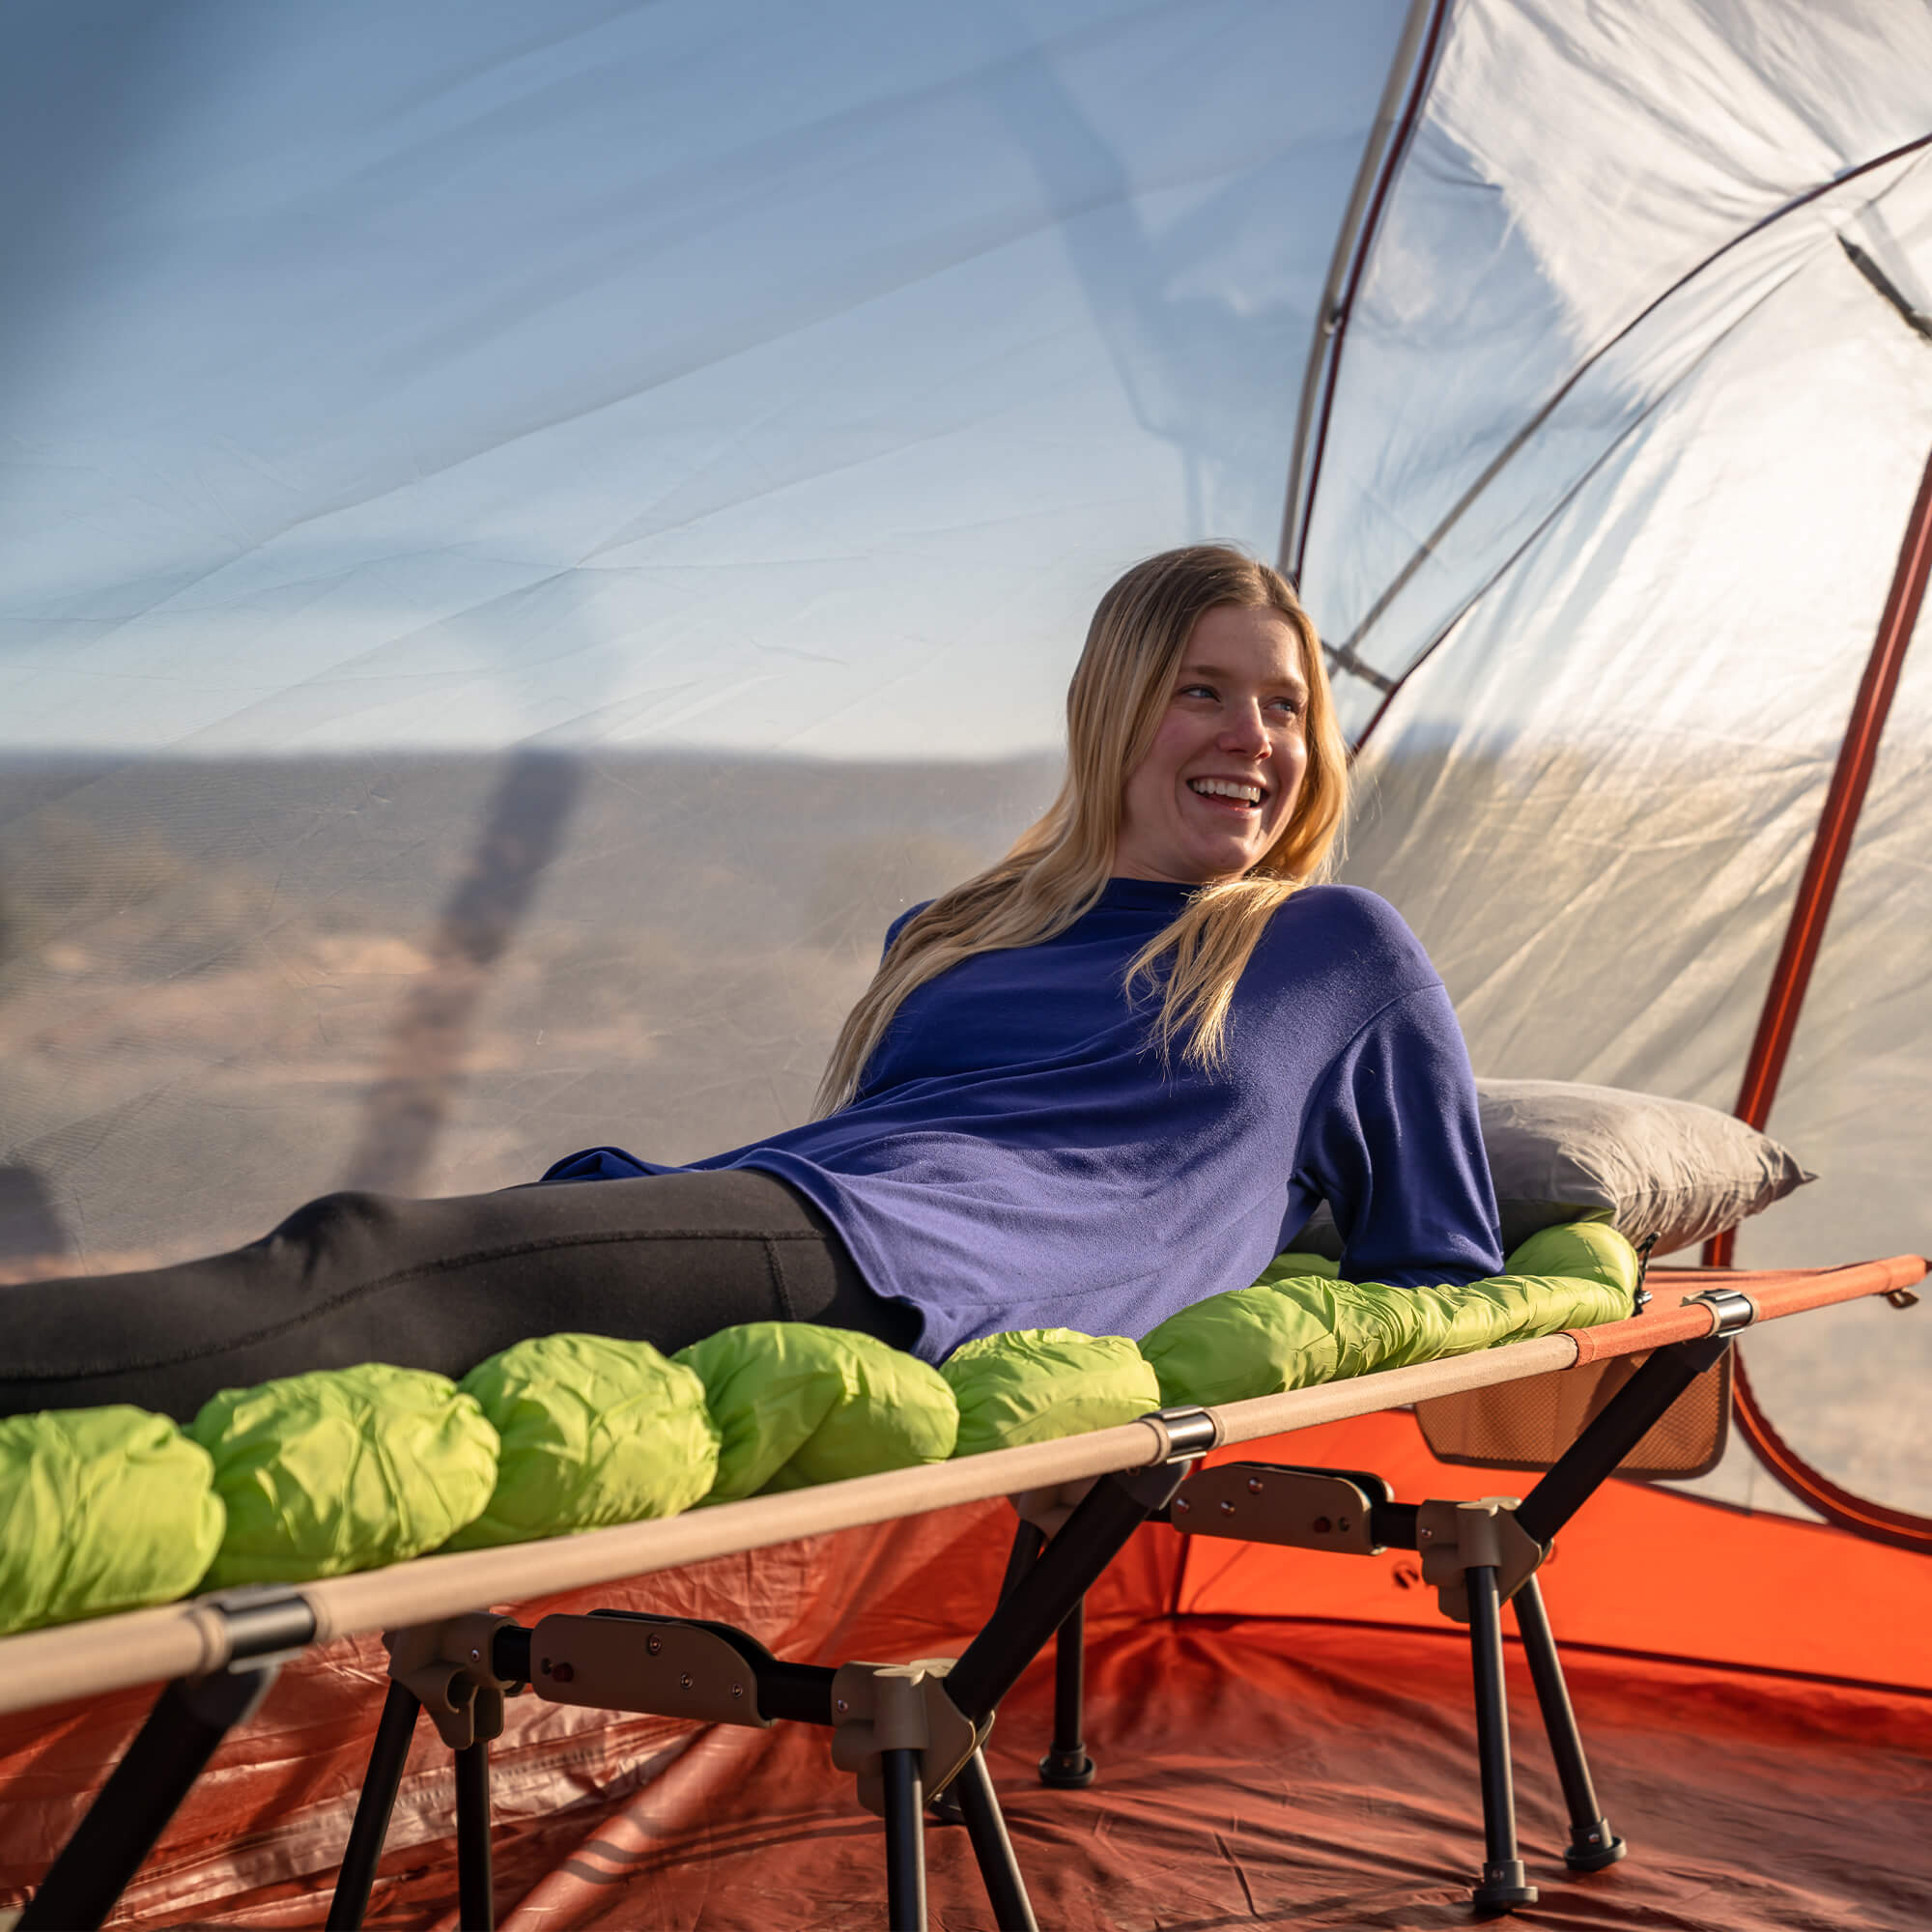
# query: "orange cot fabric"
1775,1292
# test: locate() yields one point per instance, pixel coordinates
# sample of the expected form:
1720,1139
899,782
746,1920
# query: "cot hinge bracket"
666,1665
882,1707
450,1670
1263,1502
1458,1537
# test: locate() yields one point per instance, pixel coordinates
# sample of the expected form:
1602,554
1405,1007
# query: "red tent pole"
1778,1023
1858,752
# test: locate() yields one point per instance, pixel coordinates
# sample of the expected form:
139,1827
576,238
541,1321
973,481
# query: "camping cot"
910,1731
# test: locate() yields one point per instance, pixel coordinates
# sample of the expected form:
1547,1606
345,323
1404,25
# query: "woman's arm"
1394,1145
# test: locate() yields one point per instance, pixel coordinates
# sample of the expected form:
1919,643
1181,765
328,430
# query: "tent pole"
1837,824
1875,1521
1387,140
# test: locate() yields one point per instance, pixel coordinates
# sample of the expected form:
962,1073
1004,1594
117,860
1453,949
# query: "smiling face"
1219,782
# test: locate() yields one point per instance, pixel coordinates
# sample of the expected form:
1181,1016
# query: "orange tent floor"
1263,1773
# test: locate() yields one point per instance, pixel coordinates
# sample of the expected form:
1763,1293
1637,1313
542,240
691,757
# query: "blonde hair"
1059,865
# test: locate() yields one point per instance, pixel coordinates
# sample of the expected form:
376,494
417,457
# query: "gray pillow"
1650,1166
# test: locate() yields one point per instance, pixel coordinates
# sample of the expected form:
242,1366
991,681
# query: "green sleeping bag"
343,1469
1585,1251
796,1404
101,1510
1293,1267
1290,1331
594,1432
1036,1383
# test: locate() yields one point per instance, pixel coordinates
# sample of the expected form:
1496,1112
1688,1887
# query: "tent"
533,530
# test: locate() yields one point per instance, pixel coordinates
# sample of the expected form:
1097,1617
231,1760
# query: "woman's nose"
1243,730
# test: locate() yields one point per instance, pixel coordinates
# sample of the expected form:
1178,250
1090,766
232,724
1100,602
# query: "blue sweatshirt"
1017,1157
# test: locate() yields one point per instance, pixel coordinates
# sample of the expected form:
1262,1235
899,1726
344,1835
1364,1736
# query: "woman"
1105,1078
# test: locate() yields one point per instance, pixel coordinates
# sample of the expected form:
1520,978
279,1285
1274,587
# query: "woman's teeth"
1245,794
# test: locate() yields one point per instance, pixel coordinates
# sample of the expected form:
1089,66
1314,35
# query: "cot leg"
905,1843
1028,1542
380,1785
1505,1884
1094,1535
1589,1462
1067,1767
189,1719
1006,1889
1593,1845
475,1896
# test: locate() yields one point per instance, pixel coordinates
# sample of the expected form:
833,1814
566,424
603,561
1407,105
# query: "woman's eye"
1196,691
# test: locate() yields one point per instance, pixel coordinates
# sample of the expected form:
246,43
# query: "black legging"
667,1259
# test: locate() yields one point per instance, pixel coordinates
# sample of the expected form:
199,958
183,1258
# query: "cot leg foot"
1504,1888
1067,1767
1583,1856
1505,1885
1073,1772
1593,1844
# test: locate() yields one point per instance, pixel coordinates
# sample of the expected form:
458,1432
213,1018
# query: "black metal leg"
1582,1468
1029,1539
1067,1767
1505,1884
380,1785
1006,1889
1593,1845
475,1896
189,1719
1017,1631
905,1843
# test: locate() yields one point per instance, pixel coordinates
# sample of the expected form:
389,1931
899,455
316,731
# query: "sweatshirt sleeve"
1395,1147
898,925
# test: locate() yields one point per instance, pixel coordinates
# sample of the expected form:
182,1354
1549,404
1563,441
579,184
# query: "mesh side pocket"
1528,1425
